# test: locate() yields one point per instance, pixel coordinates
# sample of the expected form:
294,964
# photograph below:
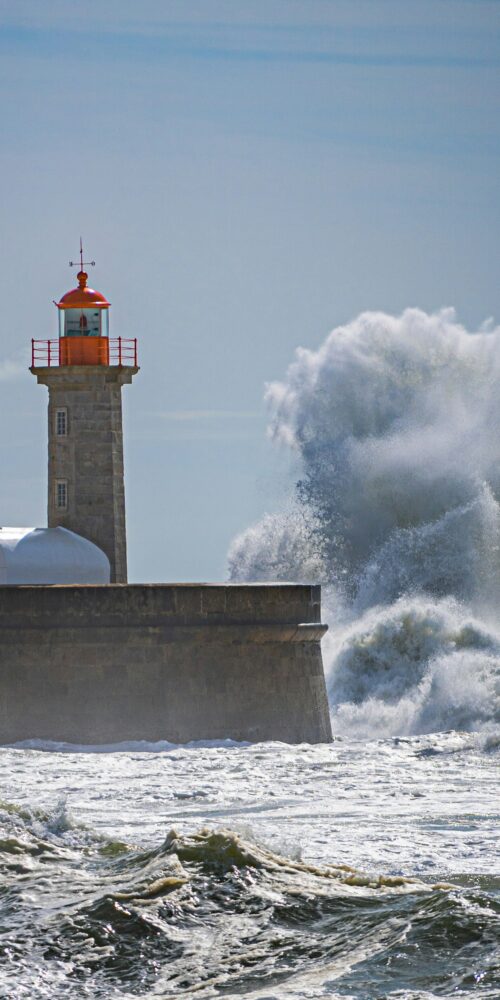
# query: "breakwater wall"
180,662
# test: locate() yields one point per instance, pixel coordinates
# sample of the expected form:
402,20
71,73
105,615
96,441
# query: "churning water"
359,869
363,869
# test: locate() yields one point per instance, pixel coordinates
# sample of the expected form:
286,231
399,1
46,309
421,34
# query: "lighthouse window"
61,494
82,323
62,422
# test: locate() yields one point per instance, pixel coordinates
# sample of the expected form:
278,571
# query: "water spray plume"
396,423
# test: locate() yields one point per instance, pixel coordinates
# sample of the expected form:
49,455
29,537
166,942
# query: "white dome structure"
48,556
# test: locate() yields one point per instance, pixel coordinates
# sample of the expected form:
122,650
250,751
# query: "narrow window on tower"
62,422
62,494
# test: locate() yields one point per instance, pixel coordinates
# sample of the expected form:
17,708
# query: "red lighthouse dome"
82,297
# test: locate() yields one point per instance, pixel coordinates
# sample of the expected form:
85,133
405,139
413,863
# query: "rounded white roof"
50,555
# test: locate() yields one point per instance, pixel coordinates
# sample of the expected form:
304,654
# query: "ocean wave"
213,913
416,666
395,421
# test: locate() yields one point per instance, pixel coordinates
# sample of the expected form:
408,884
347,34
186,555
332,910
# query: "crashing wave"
415,666
396,423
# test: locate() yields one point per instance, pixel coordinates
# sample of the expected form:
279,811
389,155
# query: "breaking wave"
396,424
415,666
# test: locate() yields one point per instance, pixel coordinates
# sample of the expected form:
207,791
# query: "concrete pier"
180,662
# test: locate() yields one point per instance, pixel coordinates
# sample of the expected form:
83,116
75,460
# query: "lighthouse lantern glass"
82,322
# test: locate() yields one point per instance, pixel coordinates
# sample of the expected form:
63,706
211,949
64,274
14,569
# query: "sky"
247,175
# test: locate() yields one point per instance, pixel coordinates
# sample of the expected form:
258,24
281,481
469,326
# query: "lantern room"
83,325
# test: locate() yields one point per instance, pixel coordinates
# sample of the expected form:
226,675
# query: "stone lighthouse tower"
84,371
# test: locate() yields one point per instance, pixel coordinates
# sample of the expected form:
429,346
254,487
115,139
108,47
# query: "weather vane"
83,263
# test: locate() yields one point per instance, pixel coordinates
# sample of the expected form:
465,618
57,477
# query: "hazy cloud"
10,370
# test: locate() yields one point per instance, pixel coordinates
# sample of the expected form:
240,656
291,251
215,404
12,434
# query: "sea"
364,868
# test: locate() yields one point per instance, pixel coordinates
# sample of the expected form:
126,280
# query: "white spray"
396,421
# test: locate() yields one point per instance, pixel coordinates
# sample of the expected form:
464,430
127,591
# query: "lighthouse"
86,657
84,370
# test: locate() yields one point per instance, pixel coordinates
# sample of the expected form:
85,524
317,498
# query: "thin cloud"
10,370
218,45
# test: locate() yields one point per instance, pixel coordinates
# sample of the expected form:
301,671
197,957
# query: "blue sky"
247,175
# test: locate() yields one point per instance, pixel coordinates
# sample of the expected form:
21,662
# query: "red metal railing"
121,351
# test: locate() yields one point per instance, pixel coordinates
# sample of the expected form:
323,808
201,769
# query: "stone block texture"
88,458
181,662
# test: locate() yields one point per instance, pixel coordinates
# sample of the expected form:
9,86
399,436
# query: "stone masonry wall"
90,456
149,662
